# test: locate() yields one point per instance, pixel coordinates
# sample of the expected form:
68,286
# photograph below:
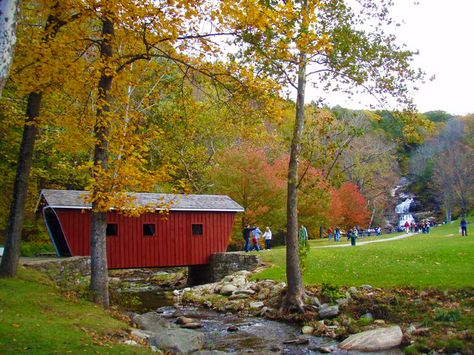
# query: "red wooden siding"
173,243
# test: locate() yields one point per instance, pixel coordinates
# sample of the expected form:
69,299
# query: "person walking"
256,232
407,227
247,231
352,236
463,226
267,235
337,234
303,235
329,233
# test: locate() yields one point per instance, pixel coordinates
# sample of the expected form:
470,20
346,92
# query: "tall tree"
8,14
286,38
57,18
132,32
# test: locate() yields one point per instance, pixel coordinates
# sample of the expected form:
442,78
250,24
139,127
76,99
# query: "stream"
253,334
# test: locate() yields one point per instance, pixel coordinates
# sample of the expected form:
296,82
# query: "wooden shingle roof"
75,199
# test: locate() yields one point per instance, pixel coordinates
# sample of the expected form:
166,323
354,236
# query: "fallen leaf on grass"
14,325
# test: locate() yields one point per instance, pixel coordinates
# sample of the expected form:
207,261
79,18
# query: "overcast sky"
443,32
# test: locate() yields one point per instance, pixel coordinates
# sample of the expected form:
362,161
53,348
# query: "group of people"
423,227
252,236
336,234
356,230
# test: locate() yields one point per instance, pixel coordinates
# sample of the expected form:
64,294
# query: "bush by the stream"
35,248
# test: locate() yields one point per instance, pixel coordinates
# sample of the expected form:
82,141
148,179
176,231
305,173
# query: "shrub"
454,346
331,292
35,248
443,315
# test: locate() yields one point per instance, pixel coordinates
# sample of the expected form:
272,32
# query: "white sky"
443,32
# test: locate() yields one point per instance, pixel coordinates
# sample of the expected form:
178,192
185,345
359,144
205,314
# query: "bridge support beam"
221,265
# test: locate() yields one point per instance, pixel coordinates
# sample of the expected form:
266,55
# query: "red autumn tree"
246,175
348,207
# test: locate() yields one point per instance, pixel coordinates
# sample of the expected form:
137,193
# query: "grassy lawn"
441,259
36,318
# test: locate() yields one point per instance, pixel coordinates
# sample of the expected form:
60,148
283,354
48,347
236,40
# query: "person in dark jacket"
463,227
246,233
352,236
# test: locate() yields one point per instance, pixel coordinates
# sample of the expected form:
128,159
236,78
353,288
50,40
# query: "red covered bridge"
196,227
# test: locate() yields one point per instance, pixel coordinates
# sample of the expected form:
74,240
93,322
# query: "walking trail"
368,242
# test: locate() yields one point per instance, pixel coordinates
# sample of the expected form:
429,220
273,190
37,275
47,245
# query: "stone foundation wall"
60,269
221,265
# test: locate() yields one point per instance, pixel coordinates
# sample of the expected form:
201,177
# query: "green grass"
441,259
36,318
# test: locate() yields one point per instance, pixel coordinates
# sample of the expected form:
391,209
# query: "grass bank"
36,318
441,259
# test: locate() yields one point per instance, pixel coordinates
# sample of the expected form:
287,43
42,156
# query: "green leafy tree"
294,40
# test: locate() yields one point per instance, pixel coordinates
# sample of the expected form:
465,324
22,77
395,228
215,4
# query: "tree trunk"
9,263
8,267
8,12
99,278
372,215
295,291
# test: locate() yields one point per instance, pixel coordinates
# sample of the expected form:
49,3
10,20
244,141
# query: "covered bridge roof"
216,203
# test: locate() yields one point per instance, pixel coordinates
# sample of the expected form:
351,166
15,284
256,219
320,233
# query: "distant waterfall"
404,215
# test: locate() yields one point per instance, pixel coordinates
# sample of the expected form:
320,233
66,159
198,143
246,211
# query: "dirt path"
367,242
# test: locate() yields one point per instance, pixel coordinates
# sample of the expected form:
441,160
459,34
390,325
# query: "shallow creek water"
254,335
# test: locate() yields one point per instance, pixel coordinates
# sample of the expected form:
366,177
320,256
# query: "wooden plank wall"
173,245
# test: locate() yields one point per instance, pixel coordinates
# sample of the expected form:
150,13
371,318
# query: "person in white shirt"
268,238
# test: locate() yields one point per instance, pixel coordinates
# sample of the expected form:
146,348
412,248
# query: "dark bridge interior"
56,232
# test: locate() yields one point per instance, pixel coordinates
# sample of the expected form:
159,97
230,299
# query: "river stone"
326,311
307,330
342,301
239,296
192,325
352,290
210,352
151,321
312,300
239,281
262,311
243,292
374,340
256,305
178,340
141,334
227,289
184,320
227,279
410,329
243,273
366,287
255,287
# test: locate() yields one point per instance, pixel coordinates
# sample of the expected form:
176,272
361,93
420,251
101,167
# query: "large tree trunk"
9,263
99,278
8,11
295,291
8,267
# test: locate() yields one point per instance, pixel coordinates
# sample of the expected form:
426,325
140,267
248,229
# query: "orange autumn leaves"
257,179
